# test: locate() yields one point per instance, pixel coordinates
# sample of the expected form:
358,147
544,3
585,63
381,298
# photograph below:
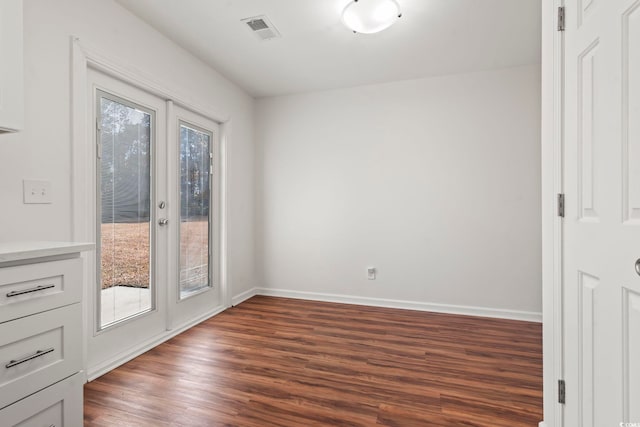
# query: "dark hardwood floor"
281,362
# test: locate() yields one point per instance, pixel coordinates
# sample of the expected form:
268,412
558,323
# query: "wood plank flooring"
282,362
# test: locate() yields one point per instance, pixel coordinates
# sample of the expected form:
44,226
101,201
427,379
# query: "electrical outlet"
371,273
36,192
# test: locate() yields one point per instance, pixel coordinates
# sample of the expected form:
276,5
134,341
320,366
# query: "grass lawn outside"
125,251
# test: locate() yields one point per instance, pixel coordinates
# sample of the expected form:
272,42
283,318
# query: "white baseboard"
237,299
407,305
133,352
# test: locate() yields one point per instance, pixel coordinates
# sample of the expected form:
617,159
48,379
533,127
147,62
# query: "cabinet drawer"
59,405
33,288
39,350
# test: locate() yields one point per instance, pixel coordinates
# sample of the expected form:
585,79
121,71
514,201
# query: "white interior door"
129,294
194,284
601,238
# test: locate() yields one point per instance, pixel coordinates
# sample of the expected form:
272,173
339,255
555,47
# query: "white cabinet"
32,288
58,405
11,66
37,351
41,334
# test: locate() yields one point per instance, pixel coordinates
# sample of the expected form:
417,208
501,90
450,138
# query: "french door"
601,274
195,284
156,216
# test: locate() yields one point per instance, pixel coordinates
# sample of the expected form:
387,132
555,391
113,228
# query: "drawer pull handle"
38,353
28,291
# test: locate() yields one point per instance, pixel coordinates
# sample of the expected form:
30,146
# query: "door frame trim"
552,184
83,57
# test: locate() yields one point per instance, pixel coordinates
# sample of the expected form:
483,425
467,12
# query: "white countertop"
19,251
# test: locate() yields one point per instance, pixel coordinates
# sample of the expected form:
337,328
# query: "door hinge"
561,205
98,144
562,392
561,18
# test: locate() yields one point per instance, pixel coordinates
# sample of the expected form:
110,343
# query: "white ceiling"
316,51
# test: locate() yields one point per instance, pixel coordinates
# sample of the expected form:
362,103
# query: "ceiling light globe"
370,16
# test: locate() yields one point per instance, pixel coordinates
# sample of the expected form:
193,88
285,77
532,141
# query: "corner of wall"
243,296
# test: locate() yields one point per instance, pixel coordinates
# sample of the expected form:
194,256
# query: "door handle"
163,221
638,267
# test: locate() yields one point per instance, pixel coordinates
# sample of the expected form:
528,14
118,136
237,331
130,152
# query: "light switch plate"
36,192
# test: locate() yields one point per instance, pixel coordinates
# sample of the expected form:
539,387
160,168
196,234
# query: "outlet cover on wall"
36,192
371,273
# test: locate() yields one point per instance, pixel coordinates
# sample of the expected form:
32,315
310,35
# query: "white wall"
42,150
435,182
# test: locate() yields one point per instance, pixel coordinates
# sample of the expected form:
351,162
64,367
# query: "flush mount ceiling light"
370,16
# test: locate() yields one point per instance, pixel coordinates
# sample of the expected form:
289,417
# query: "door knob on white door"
638,267
163,221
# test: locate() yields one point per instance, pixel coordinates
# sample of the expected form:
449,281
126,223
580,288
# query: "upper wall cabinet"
11,66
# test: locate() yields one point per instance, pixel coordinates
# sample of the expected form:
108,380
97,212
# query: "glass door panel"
194,289
195,208
125,141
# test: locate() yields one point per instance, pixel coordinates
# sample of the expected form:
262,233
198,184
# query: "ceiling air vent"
262,27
